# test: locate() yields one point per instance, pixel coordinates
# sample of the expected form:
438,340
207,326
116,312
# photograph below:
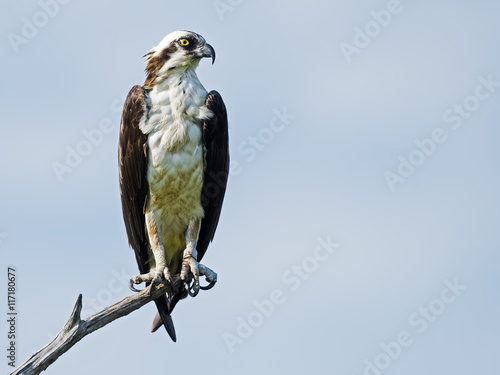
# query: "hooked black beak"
208,51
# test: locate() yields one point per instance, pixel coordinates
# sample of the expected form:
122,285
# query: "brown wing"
133,162
216,143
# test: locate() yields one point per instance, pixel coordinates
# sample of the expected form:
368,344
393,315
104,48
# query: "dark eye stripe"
191,43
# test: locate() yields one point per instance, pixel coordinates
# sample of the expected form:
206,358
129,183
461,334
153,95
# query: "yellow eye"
184,42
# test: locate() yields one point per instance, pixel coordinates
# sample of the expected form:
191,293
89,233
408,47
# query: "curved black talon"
132,288
209,286
192,294
190,288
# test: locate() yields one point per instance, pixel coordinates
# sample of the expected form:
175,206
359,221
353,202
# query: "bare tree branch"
77,328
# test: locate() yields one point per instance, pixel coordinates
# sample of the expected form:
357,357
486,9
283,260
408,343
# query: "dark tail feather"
157,323
163,317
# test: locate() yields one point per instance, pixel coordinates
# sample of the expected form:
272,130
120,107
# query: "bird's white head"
179,50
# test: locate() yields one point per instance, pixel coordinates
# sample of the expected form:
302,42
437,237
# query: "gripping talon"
209,286
131,286
210,276
192,294
191,271
155,276
193,289
189,288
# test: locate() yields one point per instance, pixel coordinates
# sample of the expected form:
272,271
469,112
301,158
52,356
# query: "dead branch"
77,328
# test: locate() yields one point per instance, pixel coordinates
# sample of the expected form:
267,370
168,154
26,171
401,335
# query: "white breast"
175,154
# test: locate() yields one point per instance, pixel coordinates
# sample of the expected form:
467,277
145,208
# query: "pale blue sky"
321,175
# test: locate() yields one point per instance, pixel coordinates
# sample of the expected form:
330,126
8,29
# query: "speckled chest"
175,151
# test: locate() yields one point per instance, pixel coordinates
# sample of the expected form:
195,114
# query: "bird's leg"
189,263
160,272
191,269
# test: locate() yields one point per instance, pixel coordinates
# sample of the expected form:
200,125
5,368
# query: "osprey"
174,163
